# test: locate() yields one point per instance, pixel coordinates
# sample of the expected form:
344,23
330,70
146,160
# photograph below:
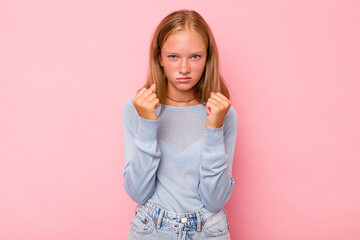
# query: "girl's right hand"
145,102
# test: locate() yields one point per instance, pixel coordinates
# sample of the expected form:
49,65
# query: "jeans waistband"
189,220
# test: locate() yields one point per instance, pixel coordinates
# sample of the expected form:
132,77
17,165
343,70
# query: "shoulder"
231,115
129,113
230,122
128,106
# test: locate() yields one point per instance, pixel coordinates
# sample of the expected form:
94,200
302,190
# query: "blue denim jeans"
154,223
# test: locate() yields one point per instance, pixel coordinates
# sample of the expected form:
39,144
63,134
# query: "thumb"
153,87
207,111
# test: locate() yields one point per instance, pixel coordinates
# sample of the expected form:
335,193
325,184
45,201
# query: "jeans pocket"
217,225
142,222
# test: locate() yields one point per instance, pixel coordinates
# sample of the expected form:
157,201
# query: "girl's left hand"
217,107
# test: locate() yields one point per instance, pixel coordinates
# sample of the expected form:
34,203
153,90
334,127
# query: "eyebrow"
173,52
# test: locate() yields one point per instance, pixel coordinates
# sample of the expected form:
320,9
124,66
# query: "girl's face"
183,55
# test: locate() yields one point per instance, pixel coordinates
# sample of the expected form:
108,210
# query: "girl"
179,135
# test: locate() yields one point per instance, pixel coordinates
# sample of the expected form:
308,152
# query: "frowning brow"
174,52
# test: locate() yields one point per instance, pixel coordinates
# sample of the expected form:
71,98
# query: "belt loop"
198,220
159,218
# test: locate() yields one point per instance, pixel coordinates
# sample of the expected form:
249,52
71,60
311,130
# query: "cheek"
170,65
169,68
199,67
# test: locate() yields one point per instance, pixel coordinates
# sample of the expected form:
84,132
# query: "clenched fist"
217,107
145,102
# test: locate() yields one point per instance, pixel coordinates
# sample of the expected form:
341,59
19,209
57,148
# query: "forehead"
184,41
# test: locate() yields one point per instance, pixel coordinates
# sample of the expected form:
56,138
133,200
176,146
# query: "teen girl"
179,136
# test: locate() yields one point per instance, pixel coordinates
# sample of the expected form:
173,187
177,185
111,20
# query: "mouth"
184,79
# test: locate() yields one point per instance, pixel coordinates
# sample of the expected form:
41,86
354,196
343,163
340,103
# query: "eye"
198,56
170,56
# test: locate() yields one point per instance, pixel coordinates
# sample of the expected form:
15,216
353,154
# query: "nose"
184,66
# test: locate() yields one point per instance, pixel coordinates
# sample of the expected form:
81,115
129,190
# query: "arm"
142,154
216,183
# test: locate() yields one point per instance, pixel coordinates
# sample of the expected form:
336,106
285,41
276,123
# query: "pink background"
67,67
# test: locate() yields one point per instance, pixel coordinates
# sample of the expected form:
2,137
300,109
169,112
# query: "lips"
184,79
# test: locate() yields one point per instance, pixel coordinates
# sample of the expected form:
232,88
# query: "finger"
207,107
145,94
140,89
150,97
217,96
153,87
211,104
217,100
223,97
222,101
155,102
138,94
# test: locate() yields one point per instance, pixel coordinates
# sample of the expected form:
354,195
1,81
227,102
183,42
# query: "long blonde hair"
211,80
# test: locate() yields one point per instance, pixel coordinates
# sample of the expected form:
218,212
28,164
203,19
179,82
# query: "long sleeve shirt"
177,163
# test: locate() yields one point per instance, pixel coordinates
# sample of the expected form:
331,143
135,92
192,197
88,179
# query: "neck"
176,97
181,103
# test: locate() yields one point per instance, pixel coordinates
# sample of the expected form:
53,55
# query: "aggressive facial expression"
183,57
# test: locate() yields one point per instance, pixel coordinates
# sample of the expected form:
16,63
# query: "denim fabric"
154,223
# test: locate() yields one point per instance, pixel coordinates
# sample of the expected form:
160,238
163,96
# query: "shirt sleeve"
216,183
142,154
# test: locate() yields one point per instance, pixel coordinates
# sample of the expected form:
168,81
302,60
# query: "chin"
184,87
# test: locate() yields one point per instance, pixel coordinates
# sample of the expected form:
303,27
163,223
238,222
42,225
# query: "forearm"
142,157
216,183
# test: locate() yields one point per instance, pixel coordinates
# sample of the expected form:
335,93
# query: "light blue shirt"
177,163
